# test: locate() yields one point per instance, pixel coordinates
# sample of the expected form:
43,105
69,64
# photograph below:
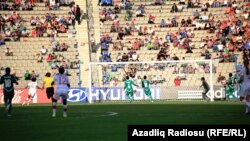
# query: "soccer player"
244,93
237,84
62,87
205,87
32,85
128,87
145,85
230,87
8,89
246,101
47,81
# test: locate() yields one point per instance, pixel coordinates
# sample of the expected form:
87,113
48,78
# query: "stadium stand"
147,30
39,37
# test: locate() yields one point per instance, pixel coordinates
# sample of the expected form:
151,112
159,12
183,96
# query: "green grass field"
108,121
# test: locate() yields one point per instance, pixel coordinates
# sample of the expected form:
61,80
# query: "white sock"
54,107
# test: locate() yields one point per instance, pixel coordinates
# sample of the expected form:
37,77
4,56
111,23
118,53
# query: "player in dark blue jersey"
8,81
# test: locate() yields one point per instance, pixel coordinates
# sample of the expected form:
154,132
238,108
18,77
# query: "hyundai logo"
77,95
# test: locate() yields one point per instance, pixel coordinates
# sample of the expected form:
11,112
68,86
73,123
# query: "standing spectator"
78,14
73,19
93,43
174,8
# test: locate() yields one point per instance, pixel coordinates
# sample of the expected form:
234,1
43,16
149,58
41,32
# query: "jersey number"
7,83
62,80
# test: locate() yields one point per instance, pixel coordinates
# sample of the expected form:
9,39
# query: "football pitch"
108,121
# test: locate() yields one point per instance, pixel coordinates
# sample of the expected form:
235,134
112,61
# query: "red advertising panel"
21,95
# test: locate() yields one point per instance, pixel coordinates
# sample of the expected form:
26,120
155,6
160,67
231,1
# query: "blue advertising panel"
108,93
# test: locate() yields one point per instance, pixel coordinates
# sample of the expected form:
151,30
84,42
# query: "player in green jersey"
145,85
230,87
8,89
128,87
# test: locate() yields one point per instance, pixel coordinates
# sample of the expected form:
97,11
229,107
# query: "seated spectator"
207,55
128,16
189,50
175,57
138,13
113,28
150,45
8,52
39,58
128,5
27,75
182,2
49,58
135,57
117,9
33,21
43,51
75,65
63,47
151,19
177,81
2,40
33,74
183,23
151,31
174,23
158,2
220,78
114,68
61,29
25,33
216,3
163,23
125,57
204,7
33,33
117,46
120,35
196,14
146,67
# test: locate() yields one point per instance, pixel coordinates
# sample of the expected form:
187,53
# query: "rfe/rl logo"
77,95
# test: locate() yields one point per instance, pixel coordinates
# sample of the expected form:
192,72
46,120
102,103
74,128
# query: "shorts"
147,91
129,92
32,94
50,92
245,92
8,94
63,93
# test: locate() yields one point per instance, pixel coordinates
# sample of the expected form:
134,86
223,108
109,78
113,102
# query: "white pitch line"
108,114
